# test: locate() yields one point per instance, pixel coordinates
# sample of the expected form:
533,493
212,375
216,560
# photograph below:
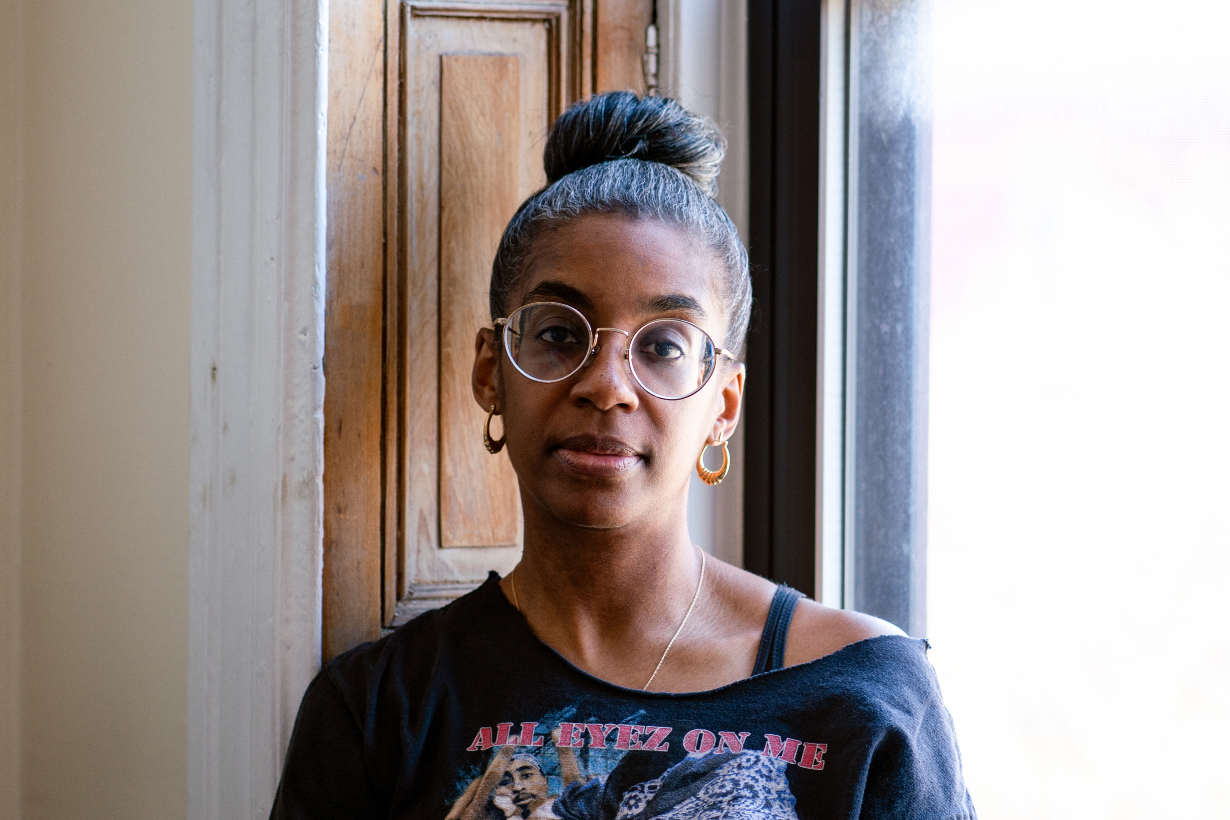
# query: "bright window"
1079,480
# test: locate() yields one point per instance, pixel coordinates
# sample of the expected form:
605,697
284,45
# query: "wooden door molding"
354,327
568,33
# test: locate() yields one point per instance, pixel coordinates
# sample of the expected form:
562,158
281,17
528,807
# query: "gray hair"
641,157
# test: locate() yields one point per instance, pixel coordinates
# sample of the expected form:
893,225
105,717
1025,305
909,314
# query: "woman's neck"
609,600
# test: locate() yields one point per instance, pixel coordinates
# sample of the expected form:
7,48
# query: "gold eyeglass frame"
595,348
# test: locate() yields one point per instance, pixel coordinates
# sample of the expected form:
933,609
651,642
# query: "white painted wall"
95,285
704,66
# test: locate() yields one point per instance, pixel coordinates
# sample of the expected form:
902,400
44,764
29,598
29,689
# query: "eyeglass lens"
670,358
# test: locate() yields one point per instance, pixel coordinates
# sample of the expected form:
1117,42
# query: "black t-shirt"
464,713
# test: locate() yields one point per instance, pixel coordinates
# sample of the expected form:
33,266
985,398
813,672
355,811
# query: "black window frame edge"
780,482
874,258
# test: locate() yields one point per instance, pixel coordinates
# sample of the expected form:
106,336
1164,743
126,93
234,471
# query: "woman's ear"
485,377
729,403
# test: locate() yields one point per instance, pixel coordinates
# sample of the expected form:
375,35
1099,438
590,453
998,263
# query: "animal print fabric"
749,787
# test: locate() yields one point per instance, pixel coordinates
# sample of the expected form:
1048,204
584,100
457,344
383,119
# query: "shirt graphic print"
591,770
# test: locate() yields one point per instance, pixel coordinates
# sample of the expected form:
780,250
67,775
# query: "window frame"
835,493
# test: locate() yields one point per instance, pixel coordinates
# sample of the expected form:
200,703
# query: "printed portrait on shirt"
622,771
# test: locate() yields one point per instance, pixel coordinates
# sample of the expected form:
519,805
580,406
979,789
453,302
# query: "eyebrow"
552,290
674,303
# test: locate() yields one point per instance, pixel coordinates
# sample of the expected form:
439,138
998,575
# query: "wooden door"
438,115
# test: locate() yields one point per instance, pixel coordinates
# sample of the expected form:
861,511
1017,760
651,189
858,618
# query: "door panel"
480,164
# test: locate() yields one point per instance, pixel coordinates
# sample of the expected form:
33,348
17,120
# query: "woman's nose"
606,381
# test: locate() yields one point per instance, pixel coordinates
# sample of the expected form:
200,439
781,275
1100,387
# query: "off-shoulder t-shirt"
465,713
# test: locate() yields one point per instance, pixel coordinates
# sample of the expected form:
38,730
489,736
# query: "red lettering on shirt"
654,742
787,750
730,742
482,740
628,737
597,734
527,735
570,736
812,754
699,741
501,734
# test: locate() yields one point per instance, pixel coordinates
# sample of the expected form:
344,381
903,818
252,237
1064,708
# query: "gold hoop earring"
711,477
493,445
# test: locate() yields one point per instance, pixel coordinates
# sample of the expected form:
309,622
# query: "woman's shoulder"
818,630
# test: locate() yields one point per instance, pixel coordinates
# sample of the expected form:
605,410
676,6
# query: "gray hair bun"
644,158
622,125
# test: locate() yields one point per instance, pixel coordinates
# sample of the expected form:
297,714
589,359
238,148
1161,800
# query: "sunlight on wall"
1079,543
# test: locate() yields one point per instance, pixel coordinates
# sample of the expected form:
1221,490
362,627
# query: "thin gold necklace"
512,582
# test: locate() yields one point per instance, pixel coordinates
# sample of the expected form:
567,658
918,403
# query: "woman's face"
595,450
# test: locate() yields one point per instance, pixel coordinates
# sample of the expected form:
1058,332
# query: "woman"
685,687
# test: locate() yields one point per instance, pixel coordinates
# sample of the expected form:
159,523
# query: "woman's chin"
601,520
588,510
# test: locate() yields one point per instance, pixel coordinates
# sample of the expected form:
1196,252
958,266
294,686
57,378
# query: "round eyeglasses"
549,341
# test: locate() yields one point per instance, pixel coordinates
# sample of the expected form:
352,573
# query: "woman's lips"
596,456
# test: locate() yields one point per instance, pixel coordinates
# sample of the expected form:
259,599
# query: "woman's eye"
663,349
557,335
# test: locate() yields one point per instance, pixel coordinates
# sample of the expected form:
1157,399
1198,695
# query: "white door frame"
258,278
